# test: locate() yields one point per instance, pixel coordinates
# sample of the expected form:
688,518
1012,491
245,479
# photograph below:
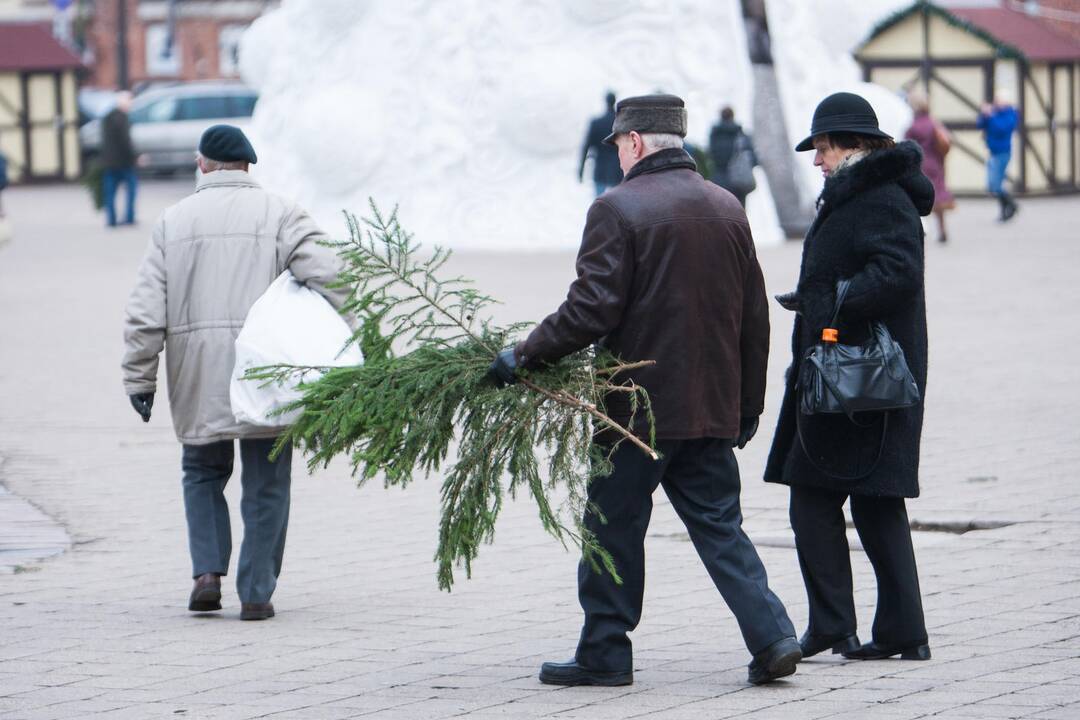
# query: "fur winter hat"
649,114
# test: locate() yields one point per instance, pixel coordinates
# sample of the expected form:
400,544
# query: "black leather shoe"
812,644
206,595
570,673
880,651
774,662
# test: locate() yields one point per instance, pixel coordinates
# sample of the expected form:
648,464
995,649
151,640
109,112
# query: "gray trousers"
264,508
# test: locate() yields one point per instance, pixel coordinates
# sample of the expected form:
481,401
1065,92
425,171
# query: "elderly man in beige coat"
209,259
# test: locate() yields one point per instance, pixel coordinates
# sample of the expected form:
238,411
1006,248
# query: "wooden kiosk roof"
31,46
1012,33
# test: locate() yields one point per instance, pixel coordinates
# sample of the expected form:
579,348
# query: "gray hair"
213,165
661,141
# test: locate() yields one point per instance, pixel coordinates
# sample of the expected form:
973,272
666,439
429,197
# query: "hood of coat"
223,178
901,165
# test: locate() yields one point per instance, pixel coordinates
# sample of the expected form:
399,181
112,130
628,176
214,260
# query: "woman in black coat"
867,231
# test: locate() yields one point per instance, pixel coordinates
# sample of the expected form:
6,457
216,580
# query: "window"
229,49
161,111
203,107
242,105
161,60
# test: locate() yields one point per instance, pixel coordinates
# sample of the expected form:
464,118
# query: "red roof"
31,46
1031,36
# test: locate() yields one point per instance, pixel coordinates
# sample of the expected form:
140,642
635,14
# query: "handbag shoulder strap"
836,476
842,287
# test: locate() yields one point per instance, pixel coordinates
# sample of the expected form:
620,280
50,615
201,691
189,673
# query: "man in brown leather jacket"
667,271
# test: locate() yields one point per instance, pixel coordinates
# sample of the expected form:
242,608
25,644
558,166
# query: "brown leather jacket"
667,271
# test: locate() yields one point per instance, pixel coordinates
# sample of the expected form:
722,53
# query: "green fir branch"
424,387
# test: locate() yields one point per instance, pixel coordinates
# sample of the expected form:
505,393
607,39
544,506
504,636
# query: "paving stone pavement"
102,630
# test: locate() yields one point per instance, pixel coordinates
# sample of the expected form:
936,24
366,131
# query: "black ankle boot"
881,651
1009,208
812,644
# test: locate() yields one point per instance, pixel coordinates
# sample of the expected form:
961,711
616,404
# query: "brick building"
204,43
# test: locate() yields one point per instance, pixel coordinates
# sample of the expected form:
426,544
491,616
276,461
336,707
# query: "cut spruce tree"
423,402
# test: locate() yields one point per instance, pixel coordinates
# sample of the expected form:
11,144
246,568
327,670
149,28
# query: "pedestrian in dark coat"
606,171
3,179
668,272
118,159
867,230
726,139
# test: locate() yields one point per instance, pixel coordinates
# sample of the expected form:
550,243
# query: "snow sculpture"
470,114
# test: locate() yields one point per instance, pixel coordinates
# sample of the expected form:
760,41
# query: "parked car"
167,122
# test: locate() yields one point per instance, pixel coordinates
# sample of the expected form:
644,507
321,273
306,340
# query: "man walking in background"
606,170
667,271
211,256
998,122
118,160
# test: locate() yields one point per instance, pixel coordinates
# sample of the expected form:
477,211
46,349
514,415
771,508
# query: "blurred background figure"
3,180
757,32
606,170
118,159
732,155
935,141
998,121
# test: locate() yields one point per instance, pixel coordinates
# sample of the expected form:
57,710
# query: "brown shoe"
256,611
206,595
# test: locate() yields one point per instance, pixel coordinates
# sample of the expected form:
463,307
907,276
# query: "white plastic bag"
289,325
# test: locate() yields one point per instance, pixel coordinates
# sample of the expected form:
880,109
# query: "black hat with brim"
649,114
842,112
226,143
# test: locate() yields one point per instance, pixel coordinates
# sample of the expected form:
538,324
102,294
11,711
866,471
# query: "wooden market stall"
38,111
961,57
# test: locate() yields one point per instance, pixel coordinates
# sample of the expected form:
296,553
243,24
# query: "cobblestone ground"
103,631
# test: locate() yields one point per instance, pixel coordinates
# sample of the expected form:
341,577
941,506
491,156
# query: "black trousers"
701,477
817,517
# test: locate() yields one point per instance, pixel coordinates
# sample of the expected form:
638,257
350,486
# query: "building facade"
166,40
962,56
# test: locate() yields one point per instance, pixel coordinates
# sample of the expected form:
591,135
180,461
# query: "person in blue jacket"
998,122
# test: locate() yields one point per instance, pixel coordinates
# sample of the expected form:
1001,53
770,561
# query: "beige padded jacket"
210,258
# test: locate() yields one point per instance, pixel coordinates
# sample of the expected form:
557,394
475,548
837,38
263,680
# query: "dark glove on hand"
503,368
789,301
747,429
142,402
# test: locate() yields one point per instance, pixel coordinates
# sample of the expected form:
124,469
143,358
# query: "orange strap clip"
830,335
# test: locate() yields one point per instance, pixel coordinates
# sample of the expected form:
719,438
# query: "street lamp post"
122,79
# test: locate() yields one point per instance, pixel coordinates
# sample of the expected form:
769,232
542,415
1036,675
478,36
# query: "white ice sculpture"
812,44
470,114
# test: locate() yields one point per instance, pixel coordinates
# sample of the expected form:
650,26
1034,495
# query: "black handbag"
871,377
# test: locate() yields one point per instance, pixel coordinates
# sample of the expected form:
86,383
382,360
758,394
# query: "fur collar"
900,165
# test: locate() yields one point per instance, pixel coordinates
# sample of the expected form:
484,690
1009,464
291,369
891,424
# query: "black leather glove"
142,402
747,429
503,368
789,301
